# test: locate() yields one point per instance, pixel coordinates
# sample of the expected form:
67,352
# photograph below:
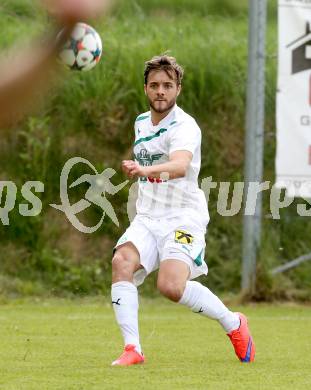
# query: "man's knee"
171,289
123,267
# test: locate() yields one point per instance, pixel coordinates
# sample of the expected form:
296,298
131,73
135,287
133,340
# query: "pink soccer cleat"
242,341
129,356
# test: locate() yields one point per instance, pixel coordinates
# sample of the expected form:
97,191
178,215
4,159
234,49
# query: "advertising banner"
293,160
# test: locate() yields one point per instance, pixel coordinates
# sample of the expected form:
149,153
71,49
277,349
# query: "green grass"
69,345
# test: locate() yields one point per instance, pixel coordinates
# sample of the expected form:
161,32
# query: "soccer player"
168,232
30,69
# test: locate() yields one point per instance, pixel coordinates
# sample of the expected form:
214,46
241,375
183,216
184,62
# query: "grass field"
69,345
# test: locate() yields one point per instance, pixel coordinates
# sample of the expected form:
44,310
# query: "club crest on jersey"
146,159
182,237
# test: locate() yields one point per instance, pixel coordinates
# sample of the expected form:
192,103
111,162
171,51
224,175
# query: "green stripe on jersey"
173,123
150,137
141,118
198,260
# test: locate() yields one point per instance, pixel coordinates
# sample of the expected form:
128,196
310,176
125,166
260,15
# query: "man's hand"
30,70
69,12
132,169
175,168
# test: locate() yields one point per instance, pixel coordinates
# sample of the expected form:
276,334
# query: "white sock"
201,300
124,296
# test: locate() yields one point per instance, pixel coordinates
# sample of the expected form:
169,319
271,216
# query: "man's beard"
168,107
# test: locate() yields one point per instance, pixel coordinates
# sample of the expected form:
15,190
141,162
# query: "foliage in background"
91,115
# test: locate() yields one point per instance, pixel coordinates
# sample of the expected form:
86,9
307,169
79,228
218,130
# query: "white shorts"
178,238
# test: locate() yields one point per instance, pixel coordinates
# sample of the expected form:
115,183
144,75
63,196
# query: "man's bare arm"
176,167
29,72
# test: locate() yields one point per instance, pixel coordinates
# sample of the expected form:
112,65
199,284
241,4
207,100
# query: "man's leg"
174,284
124,296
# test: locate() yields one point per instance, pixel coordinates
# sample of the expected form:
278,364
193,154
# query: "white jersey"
153,145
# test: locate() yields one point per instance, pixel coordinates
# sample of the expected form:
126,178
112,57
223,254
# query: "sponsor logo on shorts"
182,237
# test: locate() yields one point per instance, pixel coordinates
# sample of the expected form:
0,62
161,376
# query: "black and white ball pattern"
83,49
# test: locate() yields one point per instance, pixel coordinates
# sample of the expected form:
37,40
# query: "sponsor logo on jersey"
182,237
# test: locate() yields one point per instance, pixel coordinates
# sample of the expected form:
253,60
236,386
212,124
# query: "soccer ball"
83,49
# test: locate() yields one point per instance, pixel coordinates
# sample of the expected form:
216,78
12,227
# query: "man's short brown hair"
166,63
